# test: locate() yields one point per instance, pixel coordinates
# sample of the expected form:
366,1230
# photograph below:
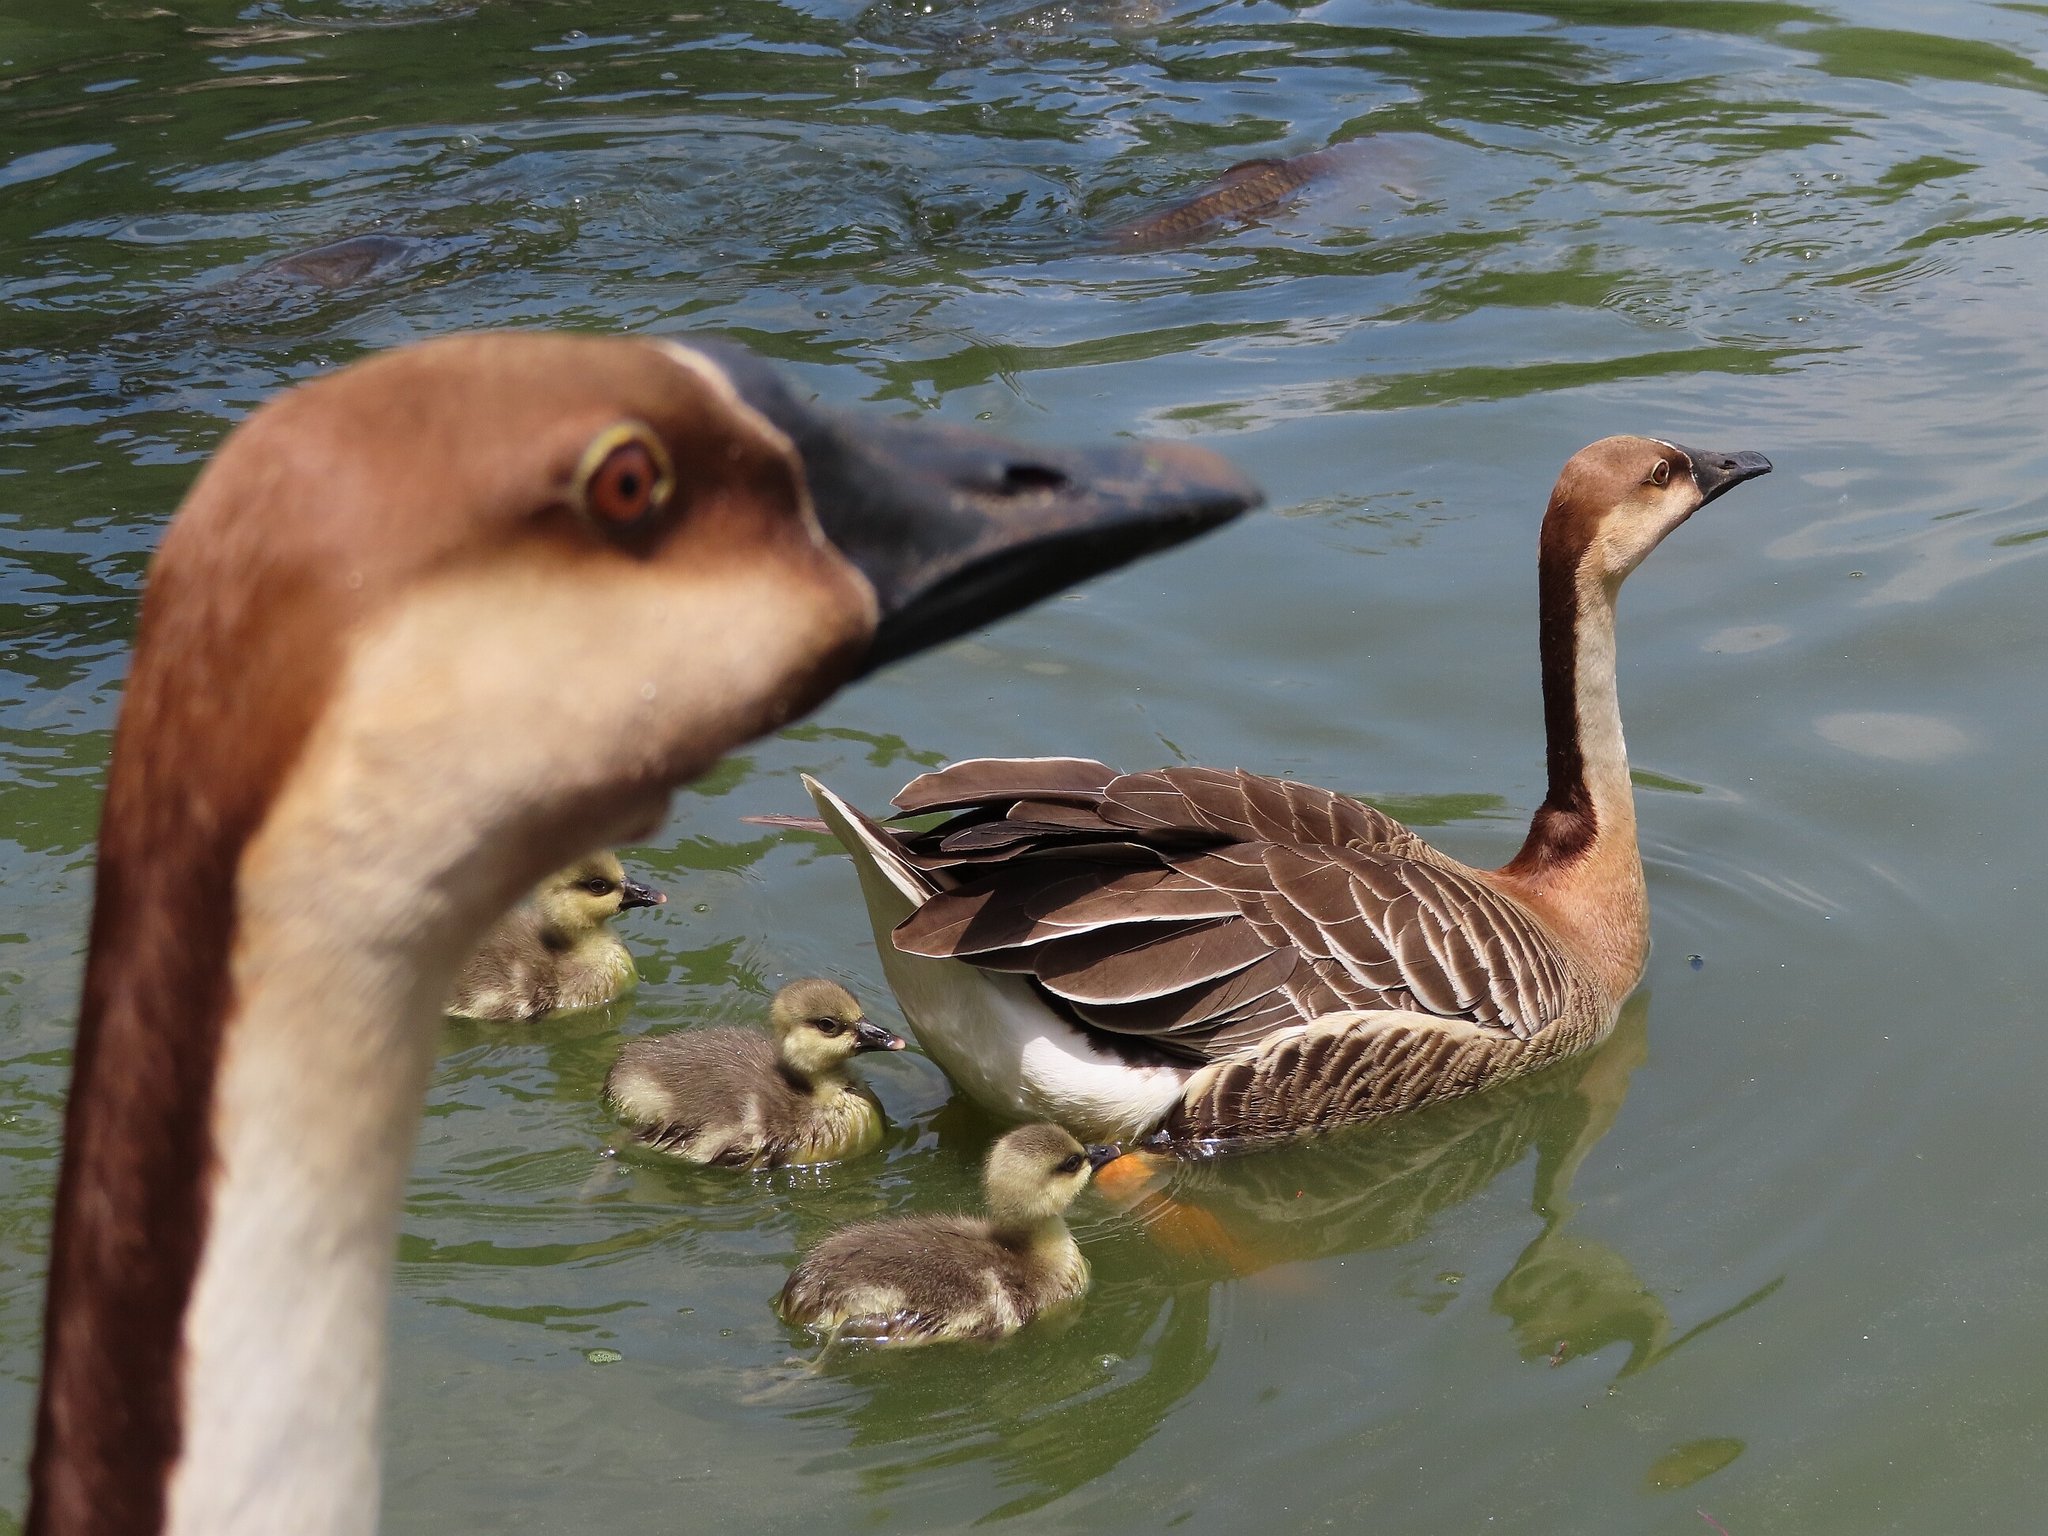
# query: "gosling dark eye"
828,1027
1071,1164
1661,475
598,887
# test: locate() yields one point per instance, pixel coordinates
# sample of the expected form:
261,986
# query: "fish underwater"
342,263
1249,190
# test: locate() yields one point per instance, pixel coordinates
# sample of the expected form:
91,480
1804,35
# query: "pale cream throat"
381,864
323,1069
1597,695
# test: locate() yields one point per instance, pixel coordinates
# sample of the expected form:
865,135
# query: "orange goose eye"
1661,475
624,479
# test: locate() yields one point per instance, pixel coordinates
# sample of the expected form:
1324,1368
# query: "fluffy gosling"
918,1279
553,951
739,1099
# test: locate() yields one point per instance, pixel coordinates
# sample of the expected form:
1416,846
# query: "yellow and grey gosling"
740,1099
919,1279
553,951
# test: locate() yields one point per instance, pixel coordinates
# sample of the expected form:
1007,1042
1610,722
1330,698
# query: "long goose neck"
204,741
1579,864
250,1069
278,913
131,1194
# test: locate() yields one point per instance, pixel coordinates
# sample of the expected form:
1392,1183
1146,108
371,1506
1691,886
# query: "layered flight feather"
1201,912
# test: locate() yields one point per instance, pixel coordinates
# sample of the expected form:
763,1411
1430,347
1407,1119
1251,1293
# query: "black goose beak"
1714,473
633,894
956,528
872,1037
1099,1155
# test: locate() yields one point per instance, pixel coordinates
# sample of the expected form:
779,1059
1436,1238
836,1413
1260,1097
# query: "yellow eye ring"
625,477
1661,475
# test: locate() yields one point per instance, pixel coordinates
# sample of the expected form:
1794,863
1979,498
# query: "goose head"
377,659
1617,499
1614,502
578,901
818,1025
1034,1173
417,545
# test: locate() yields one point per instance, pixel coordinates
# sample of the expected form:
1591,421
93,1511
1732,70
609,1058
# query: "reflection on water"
1566,1294
1139,1347
1684,1465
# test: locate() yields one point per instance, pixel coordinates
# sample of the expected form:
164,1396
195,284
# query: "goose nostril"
1020,478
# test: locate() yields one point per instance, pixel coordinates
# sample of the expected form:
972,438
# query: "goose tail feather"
892,887
990,1032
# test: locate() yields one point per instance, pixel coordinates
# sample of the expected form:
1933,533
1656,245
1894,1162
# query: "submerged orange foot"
1136,1182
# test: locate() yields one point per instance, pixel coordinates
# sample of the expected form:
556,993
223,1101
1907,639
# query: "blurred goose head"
368,710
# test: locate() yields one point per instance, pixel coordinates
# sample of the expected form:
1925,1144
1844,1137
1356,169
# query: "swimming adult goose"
741,1099
554,951
368,709
918,1279
1214,956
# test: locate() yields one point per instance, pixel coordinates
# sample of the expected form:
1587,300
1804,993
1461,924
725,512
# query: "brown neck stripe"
1565,825
221,696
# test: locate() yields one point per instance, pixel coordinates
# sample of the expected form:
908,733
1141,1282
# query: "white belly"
1011,1054
988,1031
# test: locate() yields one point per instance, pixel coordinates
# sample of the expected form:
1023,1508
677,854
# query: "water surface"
1776,1253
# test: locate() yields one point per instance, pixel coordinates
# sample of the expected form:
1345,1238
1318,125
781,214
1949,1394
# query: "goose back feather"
1304,958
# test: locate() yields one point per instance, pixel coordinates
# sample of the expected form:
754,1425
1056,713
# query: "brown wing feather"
1007,834
1186,799
1143,895
1120,964
1246,807
1204,909
1230,1000
1049,899
1054,813
983,779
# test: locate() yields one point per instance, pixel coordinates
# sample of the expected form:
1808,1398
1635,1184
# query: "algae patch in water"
1684,1465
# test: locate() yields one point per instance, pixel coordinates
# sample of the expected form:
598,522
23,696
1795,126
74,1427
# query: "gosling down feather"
740,1099
919,1279
553,952
1202,956
367,712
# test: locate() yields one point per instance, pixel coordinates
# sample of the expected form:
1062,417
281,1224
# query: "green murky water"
1776,1254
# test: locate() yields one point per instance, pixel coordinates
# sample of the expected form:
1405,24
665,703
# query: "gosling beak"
1714,473
1098,1156
956,528
633,894
872,1037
